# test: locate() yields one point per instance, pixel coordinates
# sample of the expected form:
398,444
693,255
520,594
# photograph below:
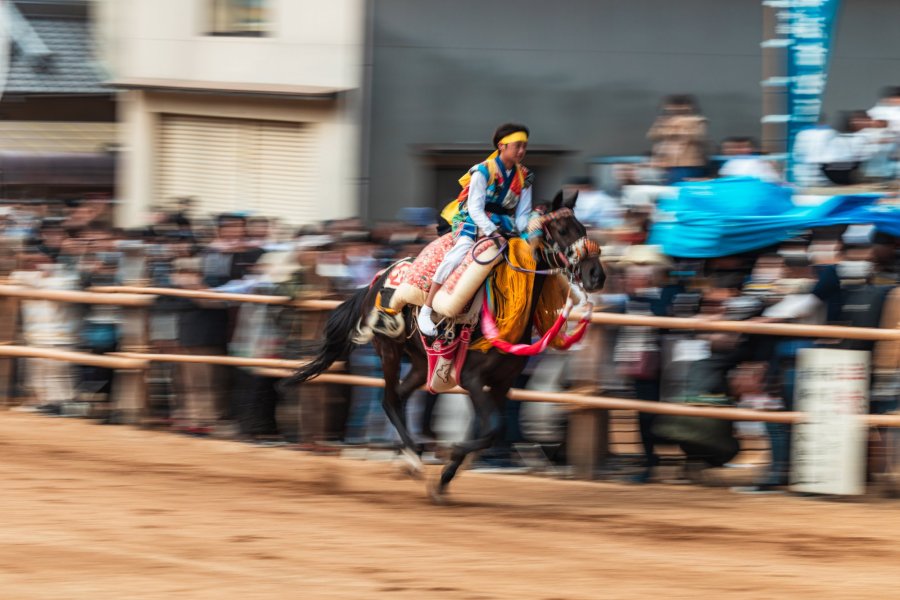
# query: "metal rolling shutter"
285,172
199,157
262,167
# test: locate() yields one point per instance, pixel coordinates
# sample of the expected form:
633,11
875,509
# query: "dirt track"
91,511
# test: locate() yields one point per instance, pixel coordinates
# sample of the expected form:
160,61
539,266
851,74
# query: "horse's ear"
557,201
564,200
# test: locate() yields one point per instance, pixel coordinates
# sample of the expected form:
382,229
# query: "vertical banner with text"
808,27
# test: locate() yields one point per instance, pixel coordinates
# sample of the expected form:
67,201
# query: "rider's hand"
498,240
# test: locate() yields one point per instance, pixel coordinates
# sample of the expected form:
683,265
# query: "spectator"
796,297
748,383
862,301
809,154
846,154
262,331
637,351
885,258
202,330
230,255
679,139
48,324
888,109
744,161
595,208
709,442
258,232
52,238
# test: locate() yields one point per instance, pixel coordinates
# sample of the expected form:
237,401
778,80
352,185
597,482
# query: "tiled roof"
72,69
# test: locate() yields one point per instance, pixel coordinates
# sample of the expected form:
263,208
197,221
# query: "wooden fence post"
9,322
130,389
587,444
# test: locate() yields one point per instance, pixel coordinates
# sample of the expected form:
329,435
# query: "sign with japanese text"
807,28
829,448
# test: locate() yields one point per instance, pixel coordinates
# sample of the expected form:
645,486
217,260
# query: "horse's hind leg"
397,392
486,425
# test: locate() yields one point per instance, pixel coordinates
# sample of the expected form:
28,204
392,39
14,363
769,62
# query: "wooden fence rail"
750,327
597,318
276,364
78,358
589,415
76,297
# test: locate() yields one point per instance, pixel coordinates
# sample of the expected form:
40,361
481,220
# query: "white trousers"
453,258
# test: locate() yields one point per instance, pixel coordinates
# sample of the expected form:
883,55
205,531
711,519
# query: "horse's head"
566,244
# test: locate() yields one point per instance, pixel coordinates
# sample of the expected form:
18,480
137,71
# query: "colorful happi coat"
501,197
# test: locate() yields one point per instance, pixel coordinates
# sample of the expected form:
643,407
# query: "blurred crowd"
840,275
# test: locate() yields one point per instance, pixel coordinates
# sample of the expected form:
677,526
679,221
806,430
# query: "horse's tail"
340,332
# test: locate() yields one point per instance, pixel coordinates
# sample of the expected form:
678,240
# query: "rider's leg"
452,259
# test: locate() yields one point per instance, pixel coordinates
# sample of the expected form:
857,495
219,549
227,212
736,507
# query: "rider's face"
513,152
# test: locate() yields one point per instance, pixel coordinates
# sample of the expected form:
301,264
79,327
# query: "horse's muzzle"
592,275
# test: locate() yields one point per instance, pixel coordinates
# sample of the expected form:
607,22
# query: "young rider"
496,198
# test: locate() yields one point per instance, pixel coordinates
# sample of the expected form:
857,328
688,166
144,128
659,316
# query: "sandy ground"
93,511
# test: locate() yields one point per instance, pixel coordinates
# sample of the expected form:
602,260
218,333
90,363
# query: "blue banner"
721,217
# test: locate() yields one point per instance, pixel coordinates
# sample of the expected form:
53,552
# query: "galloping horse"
486,376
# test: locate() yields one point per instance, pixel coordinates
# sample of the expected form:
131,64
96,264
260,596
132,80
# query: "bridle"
567,257
562,259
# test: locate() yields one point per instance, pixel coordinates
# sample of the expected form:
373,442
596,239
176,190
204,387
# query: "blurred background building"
586,75
57,115
242,105
306,110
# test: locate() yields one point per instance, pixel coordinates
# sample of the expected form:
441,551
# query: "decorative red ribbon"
570,340
489,328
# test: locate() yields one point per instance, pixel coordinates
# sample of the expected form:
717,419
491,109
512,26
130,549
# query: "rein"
504,247
561,258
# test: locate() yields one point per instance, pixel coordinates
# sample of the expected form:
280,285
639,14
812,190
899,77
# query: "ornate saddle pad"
413,280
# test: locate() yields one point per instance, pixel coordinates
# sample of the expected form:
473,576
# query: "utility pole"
775,115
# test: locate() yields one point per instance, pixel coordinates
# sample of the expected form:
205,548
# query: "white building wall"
310,43
307,70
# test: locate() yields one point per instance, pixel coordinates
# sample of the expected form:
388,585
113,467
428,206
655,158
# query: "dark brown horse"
486,376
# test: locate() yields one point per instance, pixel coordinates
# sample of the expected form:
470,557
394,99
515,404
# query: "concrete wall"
866,55
584,74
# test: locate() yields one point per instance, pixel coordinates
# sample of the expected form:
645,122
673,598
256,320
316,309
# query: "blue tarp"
733,215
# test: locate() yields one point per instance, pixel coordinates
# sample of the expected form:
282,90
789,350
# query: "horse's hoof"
411,472
436,494
411,465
